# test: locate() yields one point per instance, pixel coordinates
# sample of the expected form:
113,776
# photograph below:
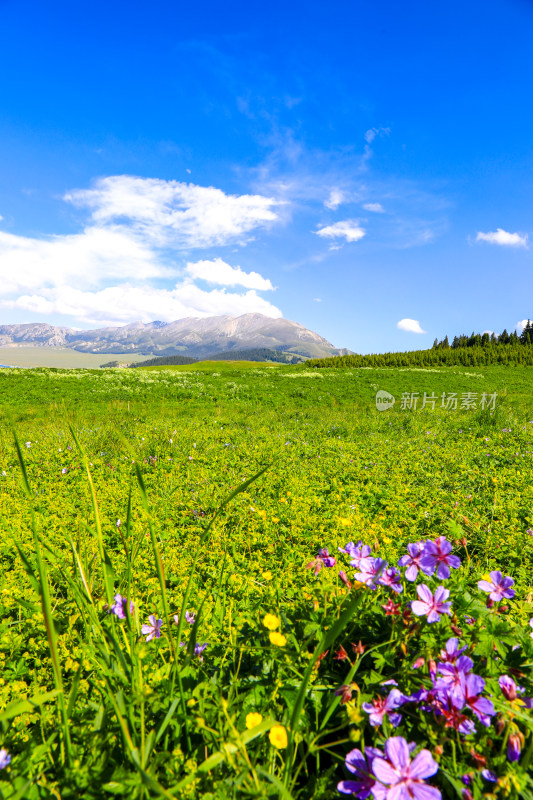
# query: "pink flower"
432,606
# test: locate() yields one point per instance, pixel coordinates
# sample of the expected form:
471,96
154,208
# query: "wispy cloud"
503,238
170,212
410,325
371,134
348,229
377,208
336,197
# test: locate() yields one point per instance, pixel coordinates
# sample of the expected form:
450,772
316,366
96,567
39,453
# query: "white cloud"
348,229
137,228
169,212
504,238
87,258
317,299
117,305
217,271
522,324
377,208
336,197
411,325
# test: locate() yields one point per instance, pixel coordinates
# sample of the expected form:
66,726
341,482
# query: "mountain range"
195,337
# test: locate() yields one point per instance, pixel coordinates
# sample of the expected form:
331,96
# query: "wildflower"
345,693
341,654
199,649
361,767
531,626
432,606
385,705
498,586
389,577
359,648
371,569
278,737
514,746
419,663
437,556
356,552
323,559
489,775
392,609
402,778
5,758
277,638
253,719
267,576
118,523
28,445
452,652
412,560
120,606
344,578
471,687
152,629
270,622
508,687
64,471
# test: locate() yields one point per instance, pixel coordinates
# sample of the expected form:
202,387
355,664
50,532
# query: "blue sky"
365,169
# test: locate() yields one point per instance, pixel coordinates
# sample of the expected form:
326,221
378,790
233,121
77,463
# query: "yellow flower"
252,720
270,622
278,736
277,638
345,522
275,519
191,702
267,575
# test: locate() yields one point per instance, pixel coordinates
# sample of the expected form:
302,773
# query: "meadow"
181,615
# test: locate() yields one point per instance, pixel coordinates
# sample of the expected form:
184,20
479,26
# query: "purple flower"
371,569
431,605
452,651
5,758
399,778
190,616
450,680
468,694
323,559
64,471
412,561
489,775
498,586
356,552
120,606
509,687
437,556
199,649
361,766
152,630
385,705
514,747
389,577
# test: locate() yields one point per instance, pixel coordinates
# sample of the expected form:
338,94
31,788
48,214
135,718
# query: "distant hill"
191,337
257,354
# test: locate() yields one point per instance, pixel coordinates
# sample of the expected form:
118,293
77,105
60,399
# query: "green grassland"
164,447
